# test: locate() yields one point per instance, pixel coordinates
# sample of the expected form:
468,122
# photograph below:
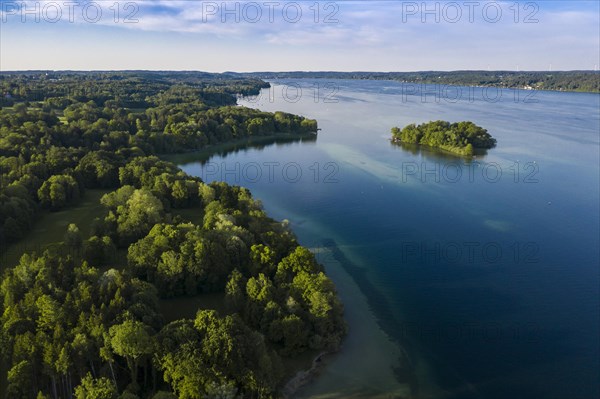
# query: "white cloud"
373,35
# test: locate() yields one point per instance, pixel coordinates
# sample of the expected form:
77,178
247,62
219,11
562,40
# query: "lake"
461,278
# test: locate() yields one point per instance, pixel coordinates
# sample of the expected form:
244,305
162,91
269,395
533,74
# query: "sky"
276,35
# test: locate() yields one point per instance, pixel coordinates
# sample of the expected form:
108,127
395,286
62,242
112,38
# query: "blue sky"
299,35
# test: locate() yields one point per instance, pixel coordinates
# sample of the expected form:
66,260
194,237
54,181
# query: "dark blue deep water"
486,271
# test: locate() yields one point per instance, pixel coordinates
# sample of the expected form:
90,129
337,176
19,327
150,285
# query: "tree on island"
462,138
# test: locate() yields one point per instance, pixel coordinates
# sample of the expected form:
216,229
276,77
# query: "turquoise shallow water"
485,271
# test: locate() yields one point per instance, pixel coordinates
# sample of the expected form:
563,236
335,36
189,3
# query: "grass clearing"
51,227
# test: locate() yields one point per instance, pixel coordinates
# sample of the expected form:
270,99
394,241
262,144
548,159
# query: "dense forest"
81,317
54,143
581,81
462,138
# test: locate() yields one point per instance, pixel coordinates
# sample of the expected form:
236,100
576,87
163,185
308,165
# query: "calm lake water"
461,278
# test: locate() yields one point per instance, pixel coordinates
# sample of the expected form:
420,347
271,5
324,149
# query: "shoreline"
444,150
383,368
304,377
434,83
449,150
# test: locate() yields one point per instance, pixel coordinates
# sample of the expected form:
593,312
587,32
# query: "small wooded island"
462,138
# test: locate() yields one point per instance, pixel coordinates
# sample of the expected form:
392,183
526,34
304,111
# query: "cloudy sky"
275,35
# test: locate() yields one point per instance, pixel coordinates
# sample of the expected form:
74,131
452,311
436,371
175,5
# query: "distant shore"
559,81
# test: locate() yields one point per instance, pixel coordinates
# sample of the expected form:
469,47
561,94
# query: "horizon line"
295,71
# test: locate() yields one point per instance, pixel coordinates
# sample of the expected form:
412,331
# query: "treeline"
51,151
129,89
580,81
462,138
81,319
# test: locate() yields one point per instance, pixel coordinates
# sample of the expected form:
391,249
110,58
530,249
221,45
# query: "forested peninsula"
461,138
84,315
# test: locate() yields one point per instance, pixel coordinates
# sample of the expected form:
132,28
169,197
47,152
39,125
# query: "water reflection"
255,143
436,154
